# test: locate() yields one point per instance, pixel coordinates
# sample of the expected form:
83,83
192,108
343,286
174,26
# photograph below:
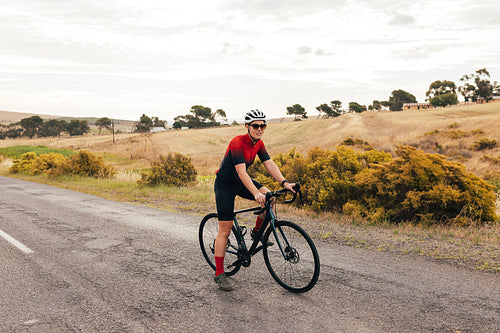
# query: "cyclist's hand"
261,199
289,186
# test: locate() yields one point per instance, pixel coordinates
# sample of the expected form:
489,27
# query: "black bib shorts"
225,193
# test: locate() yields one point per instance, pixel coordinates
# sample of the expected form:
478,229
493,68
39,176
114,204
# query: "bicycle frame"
269,222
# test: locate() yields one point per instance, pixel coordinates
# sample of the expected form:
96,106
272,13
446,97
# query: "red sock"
219,265
258,223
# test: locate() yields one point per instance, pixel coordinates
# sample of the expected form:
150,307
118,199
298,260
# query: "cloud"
283,9
328,44
402,19
303,50
480,15
322,52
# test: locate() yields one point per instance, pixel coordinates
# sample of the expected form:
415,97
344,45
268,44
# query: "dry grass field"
383,130
8,117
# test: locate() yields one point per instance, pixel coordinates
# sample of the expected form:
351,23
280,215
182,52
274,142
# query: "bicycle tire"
209,227
300,272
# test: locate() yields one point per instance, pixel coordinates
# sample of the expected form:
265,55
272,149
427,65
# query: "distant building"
417,106
158,129
494,99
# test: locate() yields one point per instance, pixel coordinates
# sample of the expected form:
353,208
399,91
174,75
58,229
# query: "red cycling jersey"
241,149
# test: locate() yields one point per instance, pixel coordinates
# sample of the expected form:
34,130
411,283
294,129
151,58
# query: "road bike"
289,252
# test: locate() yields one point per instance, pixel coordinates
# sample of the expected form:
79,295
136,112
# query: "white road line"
16,243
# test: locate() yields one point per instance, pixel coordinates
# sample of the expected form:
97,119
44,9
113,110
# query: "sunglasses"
257,126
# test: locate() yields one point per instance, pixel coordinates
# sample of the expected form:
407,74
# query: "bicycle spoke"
297,269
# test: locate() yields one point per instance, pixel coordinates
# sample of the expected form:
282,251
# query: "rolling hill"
9,117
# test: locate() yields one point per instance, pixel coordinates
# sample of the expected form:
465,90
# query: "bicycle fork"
288,252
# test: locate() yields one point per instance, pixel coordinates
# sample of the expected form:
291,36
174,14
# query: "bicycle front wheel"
296,268
209,228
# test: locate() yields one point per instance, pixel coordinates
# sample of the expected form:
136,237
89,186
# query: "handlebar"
278,193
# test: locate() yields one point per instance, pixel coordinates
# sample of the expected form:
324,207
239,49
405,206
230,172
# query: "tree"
159,123
398,98
476,85
496,88
442,93
330,111
145,125
203,113
52,127
221,114
296,110
77,127
104,122
179,122
324,110
356,107
199,116
31,126
336,107
14,133
376,105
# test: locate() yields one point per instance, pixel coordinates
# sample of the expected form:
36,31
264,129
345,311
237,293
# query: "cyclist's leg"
220,245
224,199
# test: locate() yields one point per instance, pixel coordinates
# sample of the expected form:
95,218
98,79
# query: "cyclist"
232,180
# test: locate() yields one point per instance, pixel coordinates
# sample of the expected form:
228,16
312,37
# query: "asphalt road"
92,265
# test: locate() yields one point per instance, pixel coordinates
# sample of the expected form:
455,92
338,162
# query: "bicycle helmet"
254,115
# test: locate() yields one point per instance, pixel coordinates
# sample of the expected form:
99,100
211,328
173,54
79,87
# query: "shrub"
456,134
46,163
375,156
483,144
431,133
291,165
415,186
477,132
421,187
23,164
493,178
87,164
327,176
174,169
356,142
453,125
491,159
82,163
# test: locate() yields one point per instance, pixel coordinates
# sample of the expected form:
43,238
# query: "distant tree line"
198,117
35,126
146,124
476,86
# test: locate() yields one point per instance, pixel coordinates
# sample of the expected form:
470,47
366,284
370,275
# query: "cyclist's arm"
275,172
247,181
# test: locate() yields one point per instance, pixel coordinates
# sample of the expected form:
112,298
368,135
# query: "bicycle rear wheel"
298,270
209,227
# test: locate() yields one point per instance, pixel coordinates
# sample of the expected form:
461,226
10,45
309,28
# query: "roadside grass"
475,247
17,151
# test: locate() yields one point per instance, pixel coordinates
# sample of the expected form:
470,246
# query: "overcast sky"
123,58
